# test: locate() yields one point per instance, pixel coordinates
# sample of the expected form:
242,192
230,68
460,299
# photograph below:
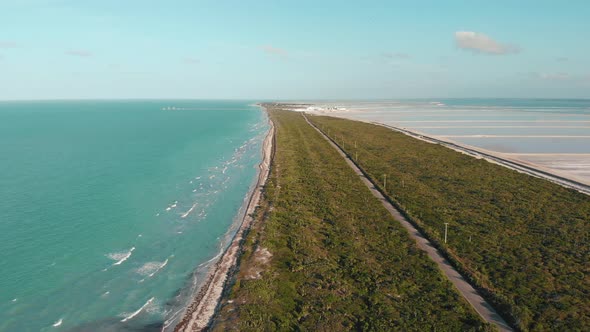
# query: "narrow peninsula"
360,227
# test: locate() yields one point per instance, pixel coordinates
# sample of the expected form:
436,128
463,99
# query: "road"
483,308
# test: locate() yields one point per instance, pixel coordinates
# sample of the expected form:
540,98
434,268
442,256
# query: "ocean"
111,212
550,134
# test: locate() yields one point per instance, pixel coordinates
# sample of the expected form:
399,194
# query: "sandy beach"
202,308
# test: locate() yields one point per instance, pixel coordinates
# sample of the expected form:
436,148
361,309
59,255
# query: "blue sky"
293,49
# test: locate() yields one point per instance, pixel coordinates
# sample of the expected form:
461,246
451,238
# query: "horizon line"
295,99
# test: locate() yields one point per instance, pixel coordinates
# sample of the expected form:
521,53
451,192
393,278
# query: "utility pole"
355,144
446,228
385,182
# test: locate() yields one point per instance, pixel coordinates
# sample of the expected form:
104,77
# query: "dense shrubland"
324,255
524,241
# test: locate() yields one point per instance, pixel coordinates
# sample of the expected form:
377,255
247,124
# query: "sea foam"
149,269
121,257
135,313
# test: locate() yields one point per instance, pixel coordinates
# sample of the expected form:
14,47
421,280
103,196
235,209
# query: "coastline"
287,257
201,309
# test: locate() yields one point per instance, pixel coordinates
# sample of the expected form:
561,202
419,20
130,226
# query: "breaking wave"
121,257
138,311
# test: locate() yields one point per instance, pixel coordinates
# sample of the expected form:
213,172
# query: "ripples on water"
109,207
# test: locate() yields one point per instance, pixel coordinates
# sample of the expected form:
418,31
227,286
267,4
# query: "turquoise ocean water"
112,211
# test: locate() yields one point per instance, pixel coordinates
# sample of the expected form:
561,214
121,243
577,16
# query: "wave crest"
121,257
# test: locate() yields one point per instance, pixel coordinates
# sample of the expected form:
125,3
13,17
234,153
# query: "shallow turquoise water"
109,207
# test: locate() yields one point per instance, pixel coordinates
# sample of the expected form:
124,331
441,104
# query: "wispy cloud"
559,77
275,51
481,43
562,59
8,44
397,55
190,60
555,76
80,53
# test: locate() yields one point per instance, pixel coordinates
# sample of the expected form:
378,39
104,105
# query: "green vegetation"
325,255
524,241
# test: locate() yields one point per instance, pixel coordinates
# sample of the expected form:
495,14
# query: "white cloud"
481,43
275,51
555,76
397,55
560,77
80,53
190,60
8,44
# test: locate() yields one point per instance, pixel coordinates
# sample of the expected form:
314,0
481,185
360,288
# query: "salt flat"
551,135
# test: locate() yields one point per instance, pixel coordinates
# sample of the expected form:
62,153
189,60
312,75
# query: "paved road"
483,308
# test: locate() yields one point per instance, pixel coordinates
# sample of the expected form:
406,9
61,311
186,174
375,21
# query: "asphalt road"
483,308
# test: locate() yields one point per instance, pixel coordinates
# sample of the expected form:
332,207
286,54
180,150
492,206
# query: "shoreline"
202,308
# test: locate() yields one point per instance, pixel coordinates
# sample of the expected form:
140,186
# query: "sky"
294,50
